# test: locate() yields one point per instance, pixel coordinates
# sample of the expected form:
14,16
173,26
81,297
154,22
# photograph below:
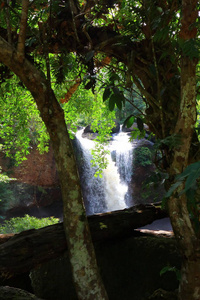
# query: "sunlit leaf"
129,121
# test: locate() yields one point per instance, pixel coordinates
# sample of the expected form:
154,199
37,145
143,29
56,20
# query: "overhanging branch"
22,31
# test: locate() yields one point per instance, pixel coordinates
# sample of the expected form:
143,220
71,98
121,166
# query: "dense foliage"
143,156
16,225
150,47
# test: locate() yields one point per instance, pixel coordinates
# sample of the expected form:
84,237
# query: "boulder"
130,268
7,293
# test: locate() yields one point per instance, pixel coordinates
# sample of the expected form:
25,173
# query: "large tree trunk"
82,256
175,115
189,287
178,207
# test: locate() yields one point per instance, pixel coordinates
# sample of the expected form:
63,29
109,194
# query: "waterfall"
110,192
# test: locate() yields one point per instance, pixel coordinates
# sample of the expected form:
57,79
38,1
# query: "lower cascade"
111,192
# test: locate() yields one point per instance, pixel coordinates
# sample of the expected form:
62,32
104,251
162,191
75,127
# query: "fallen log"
22,252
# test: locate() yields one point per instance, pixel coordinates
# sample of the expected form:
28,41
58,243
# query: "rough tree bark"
82,256
185,234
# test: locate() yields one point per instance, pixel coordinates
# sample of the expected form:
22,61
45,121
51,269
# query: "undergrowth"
18,224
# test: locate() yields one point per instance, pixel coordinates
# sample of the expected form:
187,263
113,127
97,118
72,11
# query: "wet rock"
161,294
7,293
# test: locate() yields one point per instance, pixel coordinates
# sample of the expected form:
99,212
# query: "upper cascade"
110,192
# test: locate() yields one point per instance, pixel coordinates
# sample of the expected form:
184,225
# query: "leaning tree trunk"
184,232
82,256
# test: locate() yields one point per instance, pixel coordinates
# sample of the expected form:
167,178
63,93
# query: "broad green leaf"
191,180
190,169
119,99
167,269
190,193
114,77
111,103
172,189
116,90
129,121
118,102
106,94
140,124
189,47
89,55
135,134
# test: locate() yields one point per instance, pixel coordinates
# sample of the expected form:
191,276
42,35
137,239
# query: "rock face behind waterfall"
37,192
140,192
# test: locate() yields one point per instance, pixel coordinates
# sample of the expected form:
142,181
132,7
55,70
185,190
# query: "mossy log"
22,252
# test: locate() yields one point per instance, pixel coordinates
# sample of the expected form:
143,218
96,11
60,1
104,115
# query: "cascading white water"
121,150
111,191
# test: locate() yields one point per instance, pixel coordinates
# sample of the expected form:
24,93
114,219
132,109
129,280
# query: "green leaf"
172,189
171,269
135,134
116,90
195,167
190,193
129,121
111,103
106,94
190,48
191,180
166,269
119,99
118,102
114,77
89,55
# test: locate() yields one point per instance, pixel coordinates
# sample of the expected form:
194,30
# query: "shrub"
16,225
142,156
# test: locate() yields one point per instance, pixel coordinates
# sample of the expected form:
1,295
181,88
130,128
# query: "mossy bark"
189,243
82,256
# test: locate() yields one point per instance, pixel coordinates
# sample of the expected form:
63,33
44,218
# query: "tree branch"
22,31
9,32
